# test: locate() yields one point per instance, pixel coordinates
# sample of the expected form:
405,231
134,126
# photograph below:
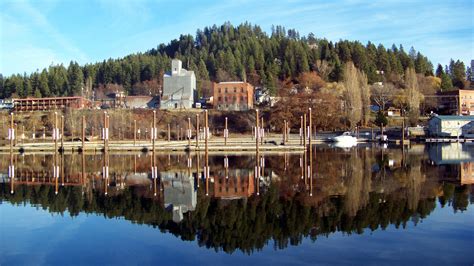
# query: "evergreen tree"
439,71
43,84
457,71
446,83
75,79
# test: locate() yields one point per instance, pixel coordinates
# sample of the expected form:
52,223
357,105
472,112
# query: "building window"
241,89
220,90
241,98
220,98
225,99
234,98
235,90
225,90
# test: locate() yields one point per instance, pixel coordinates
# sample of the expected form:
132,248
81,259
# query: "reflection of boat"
345,140
343,145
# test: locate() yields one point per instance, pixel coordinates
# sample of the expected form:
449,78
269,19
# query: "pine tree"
446,83
439,71
43,84
75,79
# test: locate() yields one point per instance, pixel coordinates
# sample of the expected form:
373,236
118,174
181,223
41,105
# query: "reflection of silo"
179,193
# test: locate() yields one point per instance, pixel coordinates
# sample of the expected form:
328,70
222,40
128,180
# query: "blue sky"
34,34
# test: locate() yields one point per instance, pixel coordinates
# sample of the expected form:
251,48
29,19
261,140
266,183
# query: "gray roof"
455,117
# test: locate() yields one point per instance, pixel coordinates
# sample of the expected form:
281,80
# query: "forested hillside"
227,52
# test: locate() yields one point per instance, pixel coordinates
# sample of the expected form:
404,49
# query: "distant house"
391,111
233,95
451,126
179,87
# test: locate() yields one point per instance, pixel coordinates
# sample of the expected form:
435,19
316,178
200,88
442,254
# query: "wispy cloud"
27,52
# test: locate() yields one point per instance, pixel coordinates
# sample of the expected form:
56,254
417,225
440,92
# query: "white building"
179,87
451,126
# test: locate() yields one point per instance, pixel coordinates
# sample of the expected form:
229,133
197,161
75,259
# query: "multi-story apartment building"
234,95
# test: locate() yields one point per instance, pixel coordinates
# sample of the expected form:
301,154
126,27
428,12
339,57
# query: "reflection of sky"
33,236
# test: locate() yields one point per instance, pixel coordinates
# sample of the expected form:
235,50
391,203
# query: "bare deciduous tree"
382,94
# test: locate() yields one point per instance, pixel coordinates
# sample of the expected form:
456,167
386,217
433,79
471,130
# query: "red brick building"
43,104
234,96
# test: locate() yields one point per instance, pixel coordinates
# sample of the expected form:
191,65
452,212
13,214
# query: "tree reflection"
355,191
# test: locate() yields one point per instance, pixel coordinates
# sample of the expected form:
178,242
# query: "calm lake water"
363,205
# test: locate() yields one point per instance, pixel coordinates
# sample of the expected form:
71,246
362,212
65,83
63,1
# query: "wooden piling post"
197,131
284,132
134,132
169,133
153,131
304,130
12,133
189,132
55,132
62,132
206,129
301,130
83,132
257,133
225,132
262,131
310,126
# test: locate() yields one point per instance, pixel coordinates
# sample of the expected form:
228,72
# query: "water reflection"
230,202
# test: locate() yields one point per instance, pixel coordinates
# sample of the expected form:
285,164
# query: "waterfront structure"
233,96
51,103
451,126
179,87
457,102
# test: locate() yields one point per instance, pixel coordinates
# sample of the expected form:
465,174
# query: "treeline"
226,52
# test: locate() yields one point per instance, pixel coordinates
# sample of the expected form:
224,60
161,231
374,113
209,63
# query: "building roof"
141,102
455,117
49,98
230,82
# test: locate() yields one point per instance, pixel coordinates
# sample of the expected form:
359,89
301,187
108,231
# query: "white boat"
346,139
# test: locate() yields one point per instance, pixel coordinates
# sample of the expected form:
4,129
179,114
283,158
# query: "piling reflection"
240,202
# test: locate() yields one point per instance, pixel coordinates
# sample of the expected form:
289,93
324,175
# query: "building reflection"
180,194
457,158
